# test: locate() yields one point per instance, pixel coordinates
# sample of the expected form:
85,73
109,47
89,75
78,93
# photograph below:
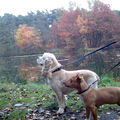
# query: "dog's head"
74,82
47,58
40,60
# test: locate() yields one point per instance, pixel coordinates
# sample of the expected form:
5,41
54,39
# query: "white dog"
49,63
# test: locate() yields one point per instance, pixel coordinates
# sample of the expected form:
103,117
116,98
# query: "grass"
109,80
33,95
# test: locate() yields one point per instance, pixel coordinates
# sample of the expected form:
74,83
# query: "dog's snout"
65,84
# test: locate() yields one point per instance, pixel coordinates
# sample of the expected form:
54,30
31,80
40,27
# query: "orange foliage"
49,44
65,31
82,23
68,27
27,37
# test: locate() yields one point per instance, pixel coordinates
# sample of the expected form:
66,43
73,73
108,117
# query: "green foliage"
4,39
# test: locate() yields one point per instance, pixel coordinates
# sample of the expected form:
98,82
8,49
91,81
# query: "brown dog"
93,98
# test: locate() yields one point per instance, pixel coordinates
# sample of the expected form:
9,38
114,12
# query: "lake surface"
21,68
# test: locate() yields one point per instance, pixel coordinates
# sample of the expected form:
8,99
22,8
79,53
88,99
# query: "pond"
25,68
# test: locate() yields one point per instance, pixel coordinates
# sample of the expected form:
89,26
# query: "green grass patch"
108,80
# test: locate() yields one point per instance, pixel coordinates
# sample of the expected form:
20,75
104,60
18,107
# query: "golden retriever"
49,63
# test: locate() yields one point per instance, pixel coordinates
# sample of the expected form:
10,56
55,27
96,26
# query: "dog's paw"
60,111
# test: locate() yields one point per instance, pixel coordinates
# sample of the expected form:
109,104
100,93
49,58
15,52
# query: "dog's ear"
79,75
79,80
48,61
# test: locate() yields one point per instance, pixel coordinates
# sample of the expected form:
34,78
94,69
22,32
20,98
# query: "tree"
49,45
6,40
83,28
103,25
67,30
27,38
82,24
67,24
91,3
21,20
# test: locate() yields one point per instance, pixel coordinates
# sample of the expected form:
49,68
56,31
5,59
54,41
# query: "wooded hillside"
70,30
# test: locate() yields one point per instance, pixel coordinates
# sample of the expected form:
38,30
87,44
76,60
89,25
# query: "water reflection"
20,69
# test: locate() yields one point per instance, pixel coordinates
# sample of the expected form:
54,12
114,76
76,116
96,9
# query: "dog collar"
57,69
87,88
83,91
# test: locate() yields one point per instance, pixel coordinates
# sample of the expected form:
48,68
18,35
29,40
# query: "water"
25,68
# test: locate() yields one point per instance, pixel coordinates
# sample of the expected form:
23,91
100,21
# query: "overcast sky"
22,7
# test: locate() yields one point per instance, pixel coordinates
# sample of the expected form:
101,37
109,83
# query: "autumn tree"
104,25
83,28
49,45
67,30
27,38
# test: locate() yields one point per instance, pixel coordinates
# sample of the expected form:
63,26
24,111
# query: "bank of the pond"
38,101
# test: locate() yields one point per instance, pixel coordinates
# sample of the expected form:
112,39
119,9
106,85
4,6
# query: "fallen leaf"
43,99
73,117
6,110
108,113
38,104
41,110
18,105
98,116
30,110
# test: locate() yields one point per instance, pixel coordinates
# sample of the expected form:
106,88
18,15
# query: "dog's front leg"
87,113
81,99
61,102
94,113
